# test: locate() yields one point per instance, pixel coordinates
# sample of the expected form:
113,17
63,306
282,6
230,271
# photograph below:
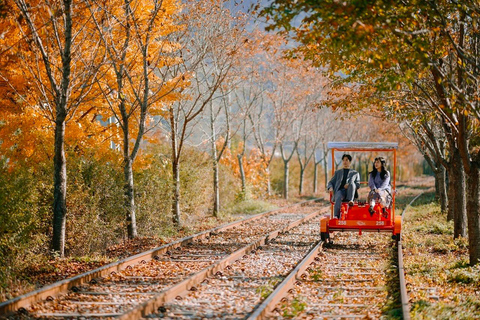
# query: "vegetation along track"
142,284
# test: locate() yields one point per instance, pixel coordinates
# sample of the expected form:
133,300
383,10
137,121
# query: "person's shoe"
370,209
385,213
350,203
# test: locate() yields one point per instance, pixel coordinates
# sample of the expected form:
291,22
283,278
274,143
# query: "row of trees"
113,78
101,74
419,63
109,78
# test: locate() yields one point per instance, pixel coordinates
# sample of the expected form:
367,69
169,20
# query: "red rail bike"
357,218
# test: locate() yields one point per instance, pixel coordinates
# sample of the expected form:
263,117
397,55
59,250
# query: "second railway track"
238,290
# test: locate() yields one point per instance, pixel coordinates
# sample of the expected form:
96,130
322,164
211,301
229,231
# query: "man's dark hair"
347,156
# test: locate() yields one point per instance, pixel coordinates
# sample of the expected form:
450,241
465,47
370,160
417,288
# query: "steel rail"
57,288
403,285
262,311
401,271
182,288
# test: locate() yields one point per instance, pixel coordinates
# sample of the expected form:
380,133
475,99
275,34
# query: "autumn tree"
59,57
218,144
134,35
208,48
325,128
310,138
426,129
263,63
229,111
249,98
384,45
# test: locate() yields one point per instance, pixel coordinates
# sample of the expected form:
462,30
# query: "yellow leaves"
254,165
25,136
160,109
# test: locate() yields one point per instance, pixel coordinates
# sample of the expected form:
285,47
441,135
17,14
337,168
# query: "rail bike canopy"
363,146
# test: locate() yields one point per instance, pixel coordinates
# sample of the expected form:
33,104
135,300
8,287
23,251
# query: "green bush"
24,217
95,205
25,202
250,207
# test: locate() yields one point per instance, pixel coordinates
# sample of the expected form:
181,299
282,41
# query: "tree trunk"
451,192
460,205
300,186
440,177
128,183
285,179
473,214
269,184
315,173
176,215
325,170
129,197
60,189
216,189
242,175
176,195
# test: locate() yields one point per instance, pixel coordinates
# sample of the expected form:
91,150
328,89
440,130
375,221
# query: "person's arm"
331,183
371,182
385,182
357,180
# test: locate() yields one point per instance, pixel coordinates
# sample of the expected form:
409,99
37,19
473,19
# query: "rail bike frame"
358,217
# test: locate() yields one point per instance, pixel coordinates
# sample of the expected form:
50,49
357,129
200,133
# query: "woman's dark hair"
383,173
349,157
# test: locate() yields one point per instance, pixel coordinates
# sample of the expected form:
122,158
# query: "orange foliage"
139,46
254,166
27,109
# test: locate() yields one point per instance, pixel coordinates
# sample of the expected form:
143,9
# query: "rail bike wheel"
324,236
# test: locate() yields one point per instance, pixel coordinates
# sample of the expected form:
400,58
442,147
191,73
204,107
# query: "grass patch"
441,283
465,274
436,227
250,207
393,308
293,308
316,274
462,311
405,195
266,289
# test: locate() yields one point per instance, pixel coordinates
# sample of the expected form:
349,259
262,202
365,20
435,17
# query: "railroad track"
238,290
141,285
244,270
342,280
